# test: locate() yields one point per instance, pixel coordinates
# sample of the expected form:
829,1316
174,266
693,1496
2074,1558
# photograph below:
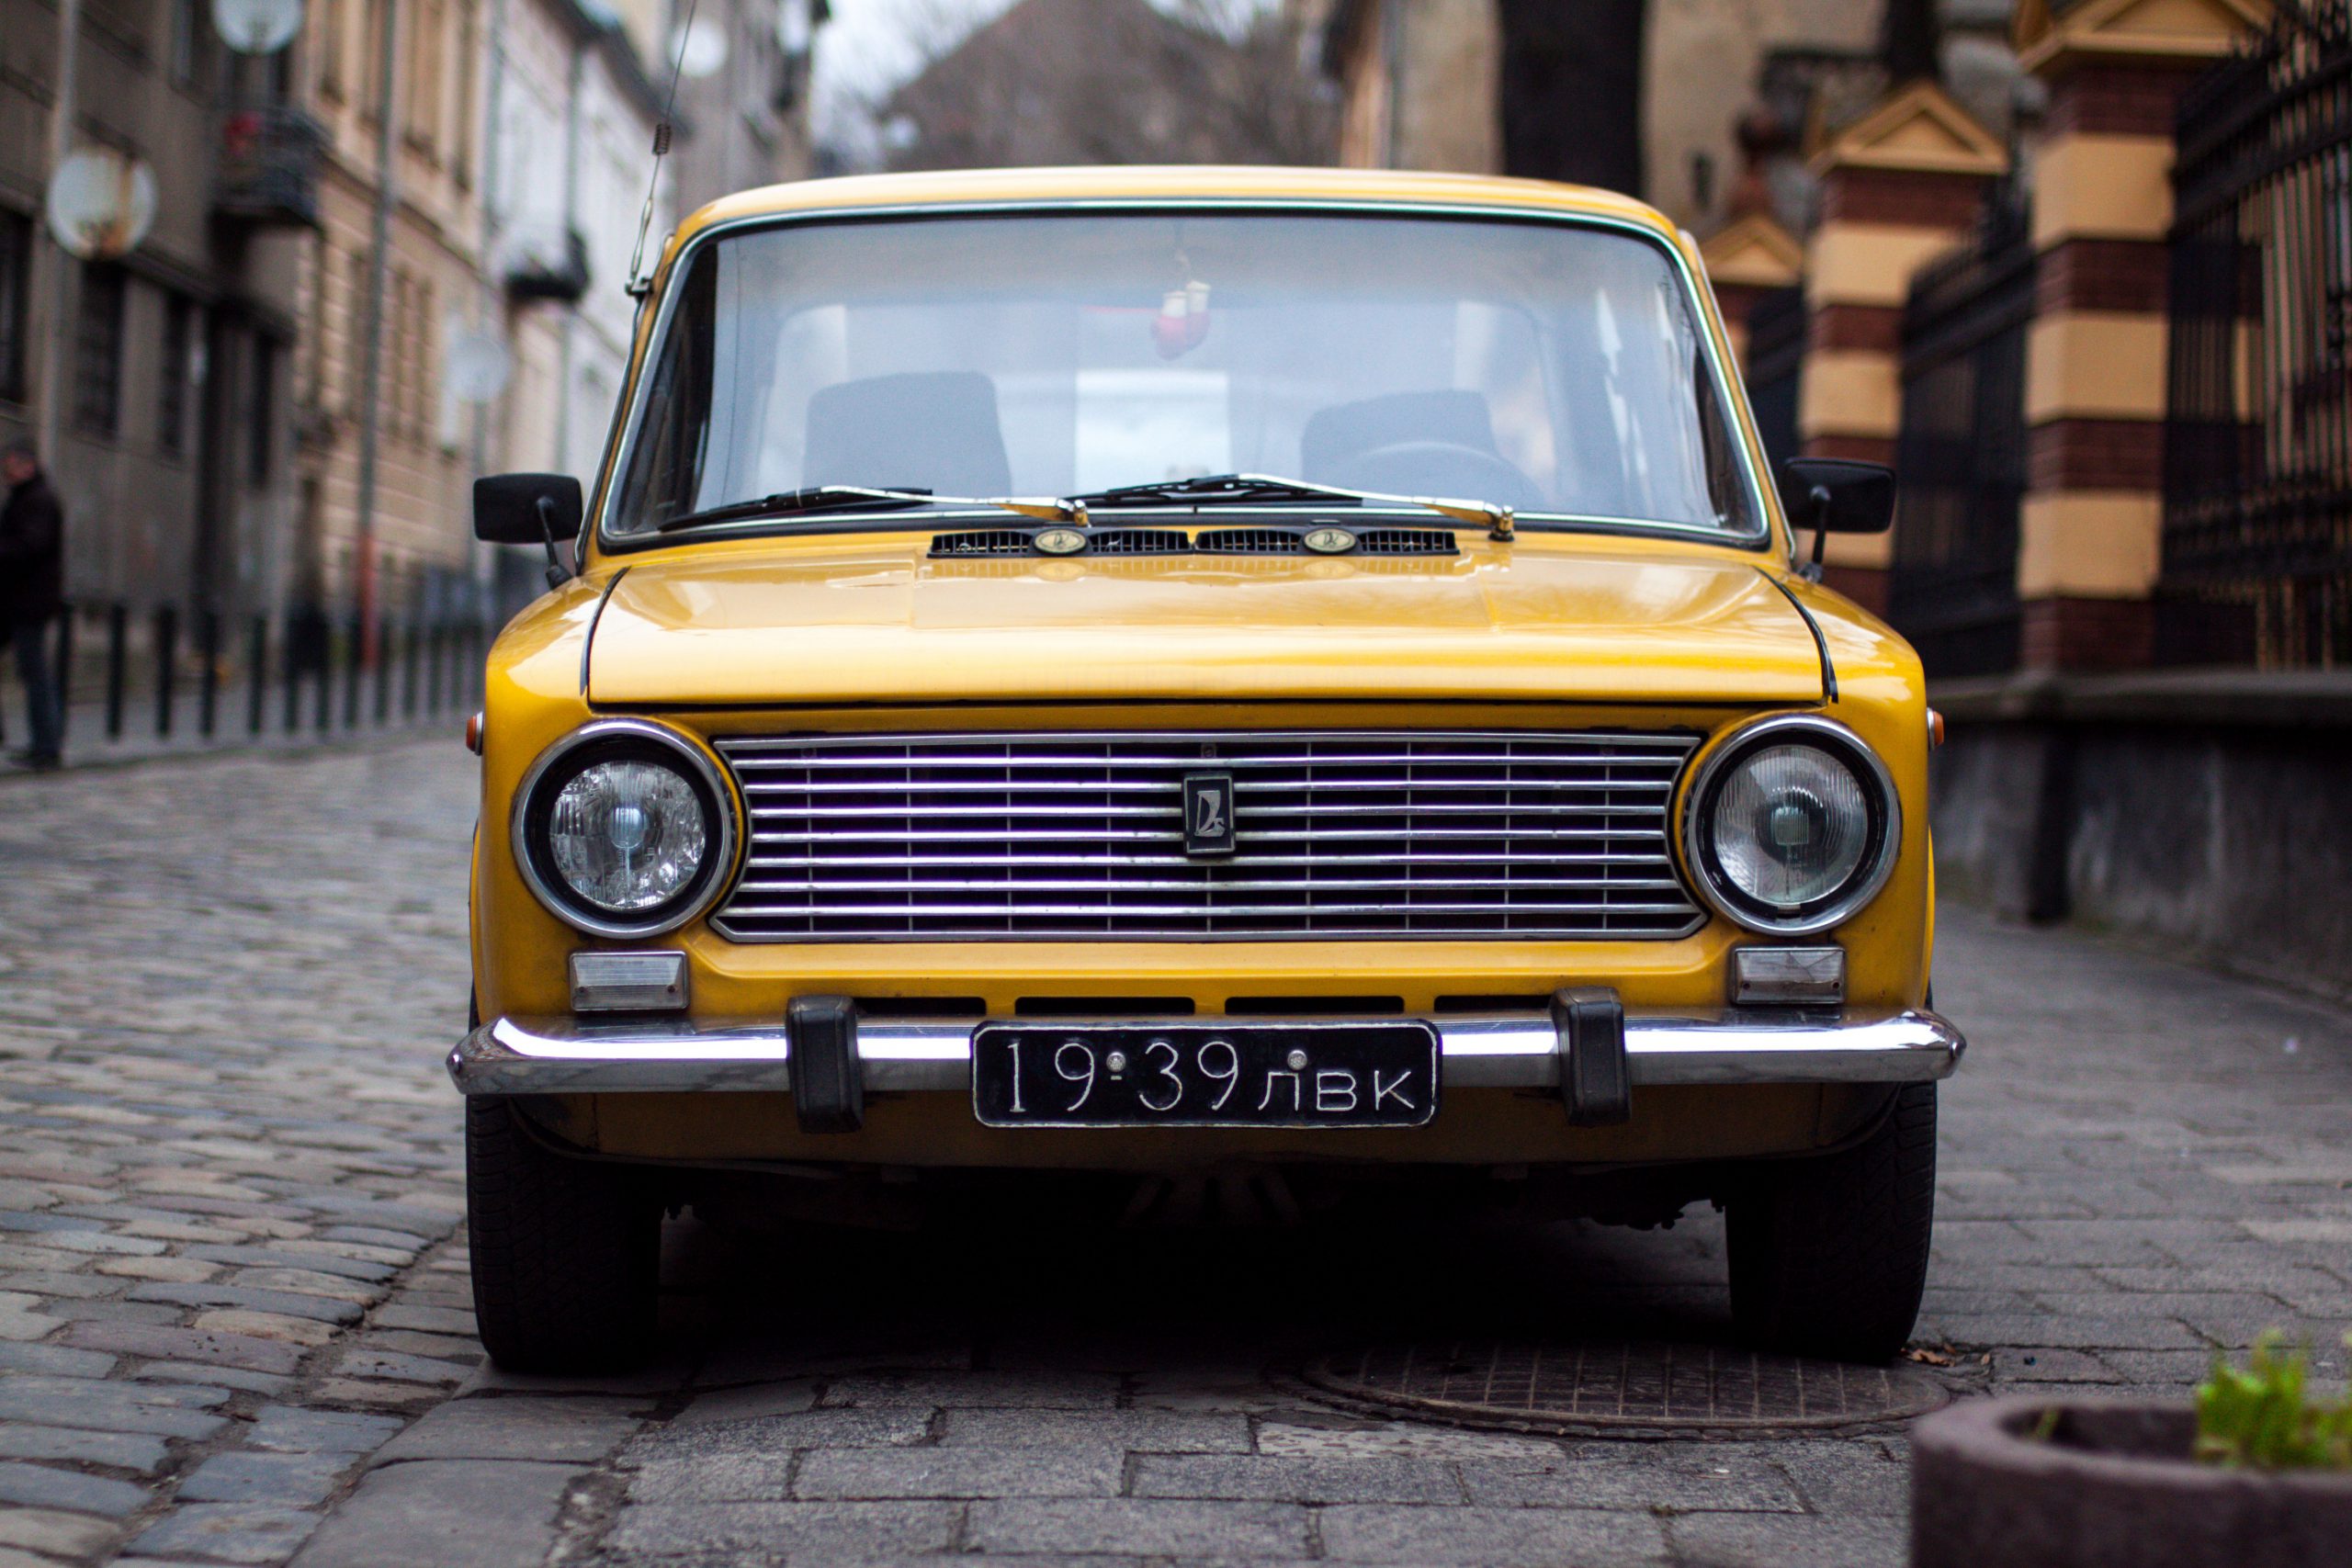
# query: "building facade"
262,411
1637,96
159,381
383,528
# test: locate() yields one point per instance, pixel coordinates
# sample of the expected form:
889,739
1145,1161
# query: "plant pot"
2113,1486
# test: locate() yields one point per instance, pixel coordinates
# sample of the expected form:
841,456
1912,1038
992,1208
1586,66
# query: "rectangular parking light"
1786,975
628,982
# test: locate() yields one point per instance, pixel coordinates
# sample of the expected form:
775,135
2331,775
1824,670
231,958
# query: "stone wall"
2207,810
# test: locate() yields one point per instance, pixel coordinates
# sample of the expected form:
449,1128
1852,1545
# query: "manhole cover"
1625,1389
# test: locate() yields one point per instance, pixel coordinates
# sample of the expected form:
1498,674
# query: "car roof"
947,189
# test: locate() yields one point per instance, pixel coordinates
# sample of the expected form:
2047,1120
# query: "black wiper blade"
801,502
1218,489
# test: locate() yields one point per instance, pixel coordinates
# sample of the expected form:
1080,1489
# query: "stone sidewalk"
233,1316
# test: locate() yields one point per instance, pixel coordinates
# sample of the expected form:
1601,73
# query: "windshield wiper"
862,498
1218,489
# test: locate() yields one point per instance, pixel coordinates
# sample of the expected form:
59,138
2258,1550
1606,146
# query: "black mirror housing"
507,510
1860,496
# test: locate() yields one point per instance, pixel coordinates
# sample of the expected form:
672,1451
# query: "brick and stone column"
2090,530
1745,260
1898,187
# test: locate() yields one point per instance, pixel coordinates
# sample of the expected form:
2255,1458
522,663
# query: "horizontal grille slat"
1355,834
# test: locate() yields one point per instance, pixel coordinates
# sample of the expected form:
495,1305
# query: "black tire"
566,1251
1829,1254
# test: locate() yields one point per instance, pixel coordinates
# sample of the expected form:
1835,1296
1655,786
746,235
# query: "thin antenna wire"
661,133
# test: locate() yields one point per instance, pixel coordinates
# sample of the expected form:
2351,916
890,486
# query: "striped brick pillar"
2091,530
1898,187
1747,259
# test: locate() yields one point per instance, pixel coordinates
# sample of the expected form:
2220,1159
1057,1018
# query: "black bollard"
290,659
208,688
322,712
353,670
167,655
118,655
256,672
65,667
409,668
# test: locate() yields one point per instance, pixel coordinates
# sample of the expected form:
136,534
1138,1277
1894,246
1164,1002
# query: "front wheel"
1829,1254
566,1252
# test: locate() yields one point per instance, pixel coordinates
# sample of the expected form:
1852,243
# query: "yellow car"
1216,689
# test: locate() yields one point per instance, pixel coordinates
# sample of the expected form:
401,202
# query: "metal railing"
1962,446
2257,502
1776,334
141,679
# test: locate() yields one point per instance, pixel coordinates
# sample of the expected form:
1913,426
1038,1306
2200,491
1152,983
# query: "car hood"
813,621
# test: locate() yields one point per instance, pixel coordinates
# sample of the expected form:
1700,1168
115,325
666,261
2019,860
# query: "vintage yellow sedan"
1208,689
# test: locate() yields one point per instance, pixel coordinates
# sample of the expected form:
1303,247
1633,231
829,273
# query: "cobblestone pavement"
232,1324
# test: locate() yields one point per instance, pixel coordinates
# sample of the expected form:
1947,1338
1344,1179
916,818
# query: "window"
261,411
427,49
171,374
461,150
331,48
424,331
371,57
98,352
192,52
16,286
397,347
1556,368
355,333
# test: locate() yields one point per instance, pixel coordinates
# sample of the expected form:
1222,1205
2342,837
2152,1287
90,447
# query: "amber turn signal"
473,734
1935,729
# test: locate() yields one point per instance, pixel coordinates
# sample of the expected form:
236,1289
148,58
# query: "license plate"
1205,1075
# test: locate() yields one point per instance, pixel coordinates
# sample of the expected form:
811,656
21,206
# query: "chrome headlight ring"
1876,861
623,739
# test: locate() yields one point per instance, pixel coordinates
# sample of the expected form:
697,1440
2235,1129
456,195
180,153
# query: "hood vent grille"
978,543
1138,542
982,542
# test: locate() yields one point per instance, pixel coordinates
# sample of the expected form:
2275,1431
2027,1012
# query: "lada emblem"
1330,541
1208,813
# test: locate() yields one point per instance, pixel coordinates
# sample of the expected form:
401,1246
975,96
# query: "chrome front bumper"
1733,1045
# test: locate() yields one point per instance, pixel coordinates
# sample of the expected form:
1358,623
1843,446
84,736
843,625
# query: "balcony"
550,264
268,170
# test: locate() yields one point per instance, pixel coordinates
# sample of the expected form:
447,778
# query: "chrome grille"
1426,833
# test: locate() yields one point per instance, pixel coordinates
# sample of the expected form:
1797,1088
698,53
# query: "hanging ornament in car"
1182,322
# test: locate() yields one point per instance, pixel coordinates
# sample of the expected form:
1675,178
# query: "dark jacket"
32,553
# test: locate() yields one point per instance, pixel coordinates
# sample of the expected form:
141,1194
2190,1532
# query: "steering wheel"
1440,468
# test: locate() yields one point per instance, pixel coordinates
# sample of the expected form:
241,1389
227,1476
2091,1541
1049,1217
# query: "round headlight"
623,828
626,836
1791,825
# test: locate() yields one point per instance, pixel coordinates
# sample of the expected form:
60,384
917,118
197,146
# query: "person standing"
32,594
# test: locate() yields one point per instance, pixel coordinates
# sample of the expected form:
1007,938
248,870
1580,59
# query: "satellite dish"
257,27
101,203
698,48
477,366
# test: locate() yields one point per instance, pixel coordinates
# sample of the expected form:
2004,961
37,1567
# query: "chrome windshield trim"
1697,296
1727,1045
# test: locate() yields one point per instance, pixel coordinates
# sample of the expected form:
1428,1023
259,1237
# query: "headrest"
935,431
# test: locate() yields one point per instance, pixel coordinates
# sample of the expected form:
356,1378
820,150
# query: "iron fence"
140,677
1776,330
1962,446
2257,483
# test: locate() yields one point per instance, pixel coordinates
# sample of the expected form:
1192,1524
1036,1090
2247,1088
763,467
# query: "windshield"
1550,367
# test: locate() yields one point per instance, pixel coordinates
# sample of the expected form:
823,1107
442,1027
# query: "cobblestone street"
234,1326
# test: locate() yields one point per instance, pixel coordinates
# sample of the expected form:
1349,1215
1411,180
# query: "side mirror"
1837,495
508,510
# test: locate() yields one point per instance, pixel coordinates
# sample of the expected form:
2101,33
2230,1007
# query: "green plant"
2264,1417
